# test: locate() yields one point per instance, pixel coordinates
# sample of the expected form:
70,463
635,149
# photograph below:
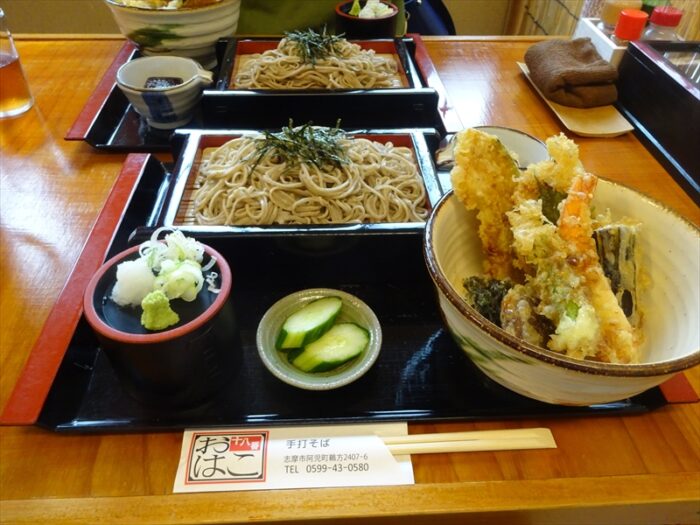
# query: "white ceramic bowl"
353,310
670,257
187,32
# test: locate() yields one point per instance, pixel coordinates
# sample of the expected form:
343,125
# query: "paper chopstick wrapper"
229,459
323,456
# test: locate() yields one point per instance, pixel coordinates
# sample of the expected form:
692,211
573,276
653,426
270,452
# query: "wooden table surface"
632,469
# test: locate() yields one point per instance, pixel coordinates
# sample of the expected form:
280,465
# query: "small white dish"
603,121
353,310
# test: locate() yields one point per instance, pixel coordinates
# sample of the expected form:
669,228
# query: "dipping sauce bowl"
165,91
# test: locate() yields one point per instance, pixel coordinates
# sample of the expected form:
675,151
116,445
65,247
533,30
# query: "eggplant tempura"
539,234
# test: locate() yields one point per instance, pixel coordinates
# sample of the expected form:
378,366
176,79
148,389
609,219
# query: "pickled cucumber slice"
309,323
342,343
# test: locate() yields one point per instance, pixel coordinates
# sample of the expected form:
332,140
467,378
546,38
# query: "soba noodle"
347,66
377,183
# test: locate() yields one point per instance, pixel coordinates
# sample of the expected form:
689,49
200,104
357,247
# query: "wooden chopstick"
478,440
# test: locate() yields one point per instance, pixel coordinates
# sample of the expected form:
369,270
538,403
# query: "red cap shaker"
630,24
666,16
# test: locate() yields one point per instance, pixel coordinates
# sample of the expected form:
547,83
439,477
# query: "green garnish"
157,313
355,9
571,309
550,201
313,46
308,144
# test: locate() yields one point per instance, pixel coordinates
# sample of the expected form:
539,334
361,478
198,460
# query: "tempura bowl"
186,32
669,300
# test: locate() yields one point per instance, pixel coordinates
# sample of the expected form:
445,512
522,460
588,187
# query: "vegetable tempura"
483,179
563,300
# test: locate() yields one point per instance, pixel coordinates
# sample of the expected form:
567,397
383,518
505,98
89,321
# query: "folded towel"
572,73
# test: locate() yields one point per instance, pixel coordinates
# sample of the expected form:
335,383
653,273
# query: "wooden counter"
632,469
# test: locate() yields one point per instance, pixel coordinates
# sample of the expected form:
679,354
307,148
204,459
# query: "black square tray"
421,374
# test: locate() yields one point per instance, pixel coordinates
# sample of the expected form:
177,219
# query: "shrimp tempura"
616,341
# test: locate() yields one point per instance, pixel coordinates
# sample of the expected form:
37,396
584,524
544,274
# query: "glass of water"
15,97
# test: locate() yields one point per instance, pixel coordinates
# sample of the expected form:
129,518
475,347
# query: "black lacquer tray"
421,374
109,122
